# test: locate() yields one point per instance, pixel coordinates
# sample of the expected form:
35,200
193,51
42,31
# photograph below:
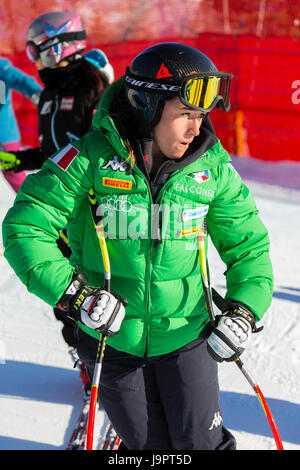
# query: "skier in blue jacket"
12,78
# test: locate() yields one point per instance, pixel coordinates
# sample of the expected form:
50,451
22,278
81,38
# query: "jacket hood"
104,105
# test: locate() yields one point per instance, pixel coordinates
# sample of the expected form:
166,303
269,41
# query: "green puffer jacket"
159,276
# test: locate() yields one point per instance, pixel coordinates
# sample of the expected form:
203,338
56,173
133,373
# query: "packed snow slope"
40,391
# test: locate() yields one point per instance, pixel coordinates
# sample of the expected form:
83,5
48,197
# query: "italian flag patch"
65,157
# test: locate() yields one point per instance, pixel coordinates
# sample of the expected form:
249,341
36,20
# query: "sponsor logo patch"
163,72
190,232
116,164
65,157
190,214
67,103
200,176
143,85
116,183
119,205
46,108
48,44
217,421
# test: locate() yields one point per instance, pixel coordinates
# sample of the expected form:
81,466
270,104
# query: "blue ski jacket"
11,78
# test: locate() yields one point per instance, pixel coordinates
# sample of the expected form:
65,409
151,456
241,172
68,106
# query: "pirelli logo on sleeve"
117,183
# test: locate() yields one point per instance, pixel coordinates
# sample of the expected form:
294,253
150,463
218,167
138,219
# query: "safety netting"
256,40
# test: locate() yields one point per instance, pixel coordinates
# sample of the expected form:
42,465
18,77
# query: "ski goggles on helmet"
199,91
34,51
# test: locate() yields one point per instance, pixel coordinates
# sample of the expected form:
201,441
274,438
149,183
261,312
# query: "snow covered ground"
40,391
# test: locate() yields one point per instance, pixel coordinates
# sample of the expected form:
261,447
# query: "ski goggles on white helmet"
199,91
34,51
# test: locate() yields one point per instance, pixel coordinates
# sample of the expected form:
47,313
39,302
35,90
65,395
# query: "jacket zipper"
148,262
149,273
52,124
158,240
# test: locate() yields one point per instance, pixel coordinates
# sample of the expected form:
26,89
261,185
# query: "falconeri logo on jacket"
116,183
115,164
199,177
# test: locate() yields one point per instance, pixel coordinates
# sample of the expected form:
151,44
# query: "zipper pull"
147,154
157,224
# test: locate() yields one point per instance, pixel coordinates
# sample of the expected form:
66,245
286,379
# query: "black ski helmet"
161,71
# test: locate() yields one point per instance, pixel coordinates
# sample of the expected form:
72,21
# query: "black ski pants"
164,402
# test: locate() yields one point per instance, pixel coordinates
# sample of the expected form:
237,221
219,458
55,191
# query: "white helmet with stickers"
55,36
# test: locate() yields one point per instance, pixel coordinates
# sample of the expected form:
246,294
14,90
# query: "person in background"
12,78
157,169
73,86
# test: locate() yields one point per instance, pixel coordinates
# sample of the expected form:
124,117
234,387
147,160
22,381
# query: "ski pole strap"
204,273
64,237
226,305
97,219
219,301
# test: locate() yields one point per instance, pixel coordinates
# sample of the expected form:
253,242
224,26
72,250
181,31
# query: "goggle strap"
152,85
144,83
64,37
178,87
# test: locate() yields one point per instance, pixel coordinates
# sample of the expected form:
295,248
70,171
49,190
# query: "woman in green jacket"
157,169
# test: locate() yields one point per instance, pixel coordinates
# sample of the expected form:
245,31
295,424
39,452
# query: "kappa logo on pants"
217,421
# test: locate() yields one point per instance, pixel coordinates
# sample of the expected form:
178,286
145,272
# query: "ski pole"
102,341
239,363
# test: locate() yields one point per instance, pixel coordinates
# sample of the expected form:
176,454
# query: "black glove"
232,333
30,159
94,306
